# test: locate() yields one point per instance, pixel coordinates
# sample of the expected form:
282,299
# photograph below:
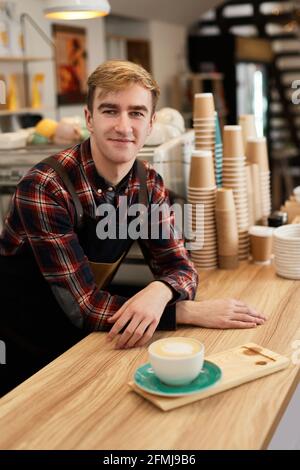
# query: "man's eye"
136,114
109,111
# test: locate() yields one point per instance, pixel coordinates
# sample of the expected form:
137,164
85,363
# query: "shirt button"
110,189
99,191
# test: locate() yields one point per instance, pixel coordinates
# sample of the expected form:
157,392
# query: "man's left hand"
141,313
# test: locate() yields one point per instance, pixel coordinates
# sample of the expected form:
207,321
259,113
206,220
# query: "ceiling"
184,12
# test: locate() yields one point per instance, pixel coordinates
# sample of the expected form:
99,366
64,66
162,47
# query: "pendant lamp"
76,9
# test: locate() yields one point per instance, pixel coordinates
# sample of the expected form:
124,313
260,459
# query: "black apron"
33,326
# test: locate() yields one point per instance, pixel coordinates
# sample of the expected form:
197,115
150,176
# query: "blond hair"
115,75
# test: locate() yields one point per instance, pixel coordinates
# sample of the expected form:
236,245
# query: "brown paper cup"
257,152
205,132
202,191
234,161
204,105
247,123
233,172
228,262
238,181
204,146
202,170
227,232
261,239
210,128
233,146
257,201
250,195
205,121
225,200
205,140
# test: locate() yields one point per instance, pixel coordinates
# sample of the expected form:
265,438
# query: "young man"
56,270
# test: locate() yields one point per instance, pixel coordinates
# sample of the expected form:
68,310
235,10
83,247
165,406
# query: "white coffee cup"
176,360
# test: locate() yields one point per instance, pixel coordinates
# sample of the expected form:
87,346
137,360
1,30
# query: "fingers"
255,314
242,324
244,308
239,303
250,311
129,332
248,318
136,335
147,335
118,313
119,325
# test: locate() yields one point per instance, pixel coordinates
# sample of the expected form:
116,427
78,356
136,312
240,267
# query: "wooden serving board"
239,365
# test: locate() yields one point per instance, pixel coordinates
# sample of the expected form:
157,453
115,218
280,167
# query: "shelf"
7,112
24,59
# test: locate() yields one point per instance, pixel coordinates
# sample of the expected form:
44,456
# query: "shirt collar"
97,181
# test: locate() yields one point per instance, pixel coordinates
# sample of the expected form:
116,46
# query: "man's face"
120,123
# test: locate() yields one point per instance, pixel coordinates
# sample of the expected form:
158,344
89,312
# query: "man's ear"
152,121
88,119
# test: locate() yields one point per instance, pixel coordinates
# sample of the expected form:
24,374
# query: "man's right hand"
220,313
140,315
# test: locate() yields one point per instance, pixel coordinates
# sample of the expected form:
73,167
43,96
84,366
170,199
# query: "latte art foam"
176,347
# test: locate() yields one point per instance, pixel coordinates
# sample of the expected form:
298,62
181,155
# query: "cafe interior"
226,139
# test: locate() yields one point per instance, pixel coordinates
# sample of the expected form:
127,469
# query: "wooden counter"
82,401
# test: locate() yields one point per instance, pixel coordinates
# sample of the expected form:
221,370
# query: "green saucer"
145,379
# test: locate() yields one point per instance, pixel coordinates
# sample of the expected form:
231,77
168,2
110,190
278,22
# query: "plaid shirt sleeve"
167,256
47,217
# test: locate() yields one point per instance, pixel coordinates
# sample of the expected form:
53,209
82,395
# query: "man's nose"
123,124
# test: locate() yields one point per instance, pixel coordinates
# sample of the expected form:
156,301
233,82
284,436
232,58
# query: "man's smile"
121,140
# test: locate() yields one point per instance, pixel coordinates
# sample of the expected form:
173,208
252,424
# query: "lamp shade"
76,9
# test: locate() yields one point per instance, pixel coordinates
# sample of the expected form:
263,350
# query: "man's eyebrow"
139,108
116,106
108,105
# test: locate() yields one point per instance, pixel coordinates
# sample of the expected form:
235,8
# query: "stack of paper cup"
250,194
247,123
204,122
287,251
227,231
204,107
255,179
202,195
218,153
257,152
234,177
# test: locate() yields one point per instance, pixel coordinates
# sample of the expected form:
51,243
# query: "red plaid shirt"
43,215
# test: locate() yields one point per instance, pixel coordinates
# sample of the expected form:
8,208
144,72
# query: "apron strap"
51,161
60,170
